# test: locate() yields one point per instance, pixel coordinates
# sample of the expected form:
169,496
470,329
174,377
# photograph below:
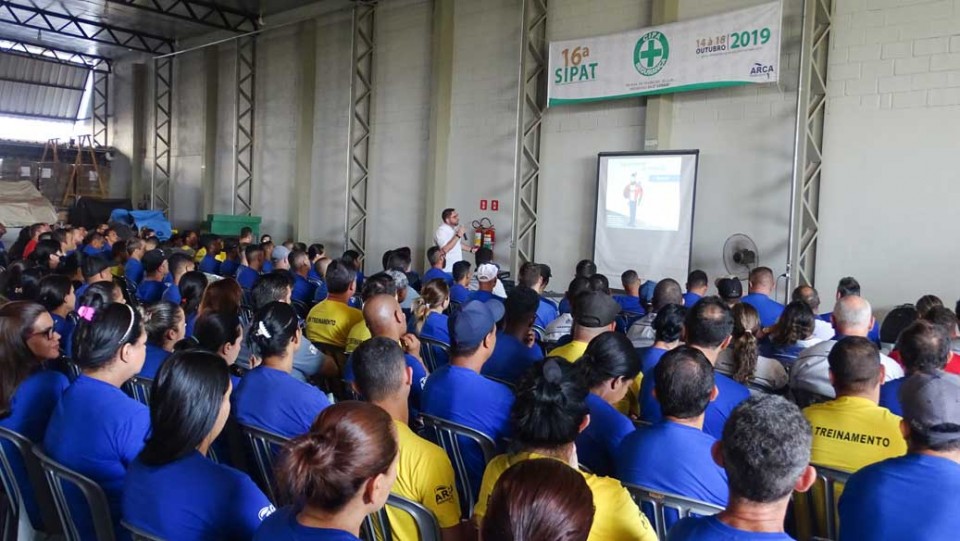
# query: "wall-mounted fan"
740,255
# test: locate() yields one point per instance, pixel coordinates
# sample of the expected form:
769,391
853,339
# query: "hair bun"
552,372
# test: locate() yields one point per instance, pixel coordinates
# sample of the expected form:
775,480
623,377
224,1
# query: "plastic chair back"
59,477
376,527
13,443
434,353
138,388
450,436
264,447
137,534
660,502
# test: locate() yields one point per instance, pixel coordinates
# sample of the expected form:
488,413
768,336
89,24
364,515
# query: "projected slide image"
643,193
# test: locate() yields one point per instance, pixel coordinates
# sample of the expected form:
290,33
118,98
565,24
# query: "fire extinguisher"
484,234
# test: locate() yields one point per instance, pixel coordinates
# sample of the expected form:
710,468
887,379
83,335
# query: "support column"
441,91
531,102
246,85
211,67
659,109
139,151
307,49
808,155
162,128
101,100
361,109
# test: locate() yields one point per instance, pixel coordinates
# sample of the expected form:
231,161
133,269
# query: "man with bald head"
822,330
810,374
667,291
762,284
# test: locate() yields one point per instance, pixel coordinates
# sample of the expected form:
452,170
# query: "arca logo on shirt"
443,494
266,512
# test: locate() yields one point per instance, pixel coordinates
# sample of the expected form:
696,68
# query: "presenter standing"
633,193
449,236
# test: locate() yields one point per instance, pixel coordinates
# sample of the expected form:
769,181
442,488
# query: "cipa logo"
760,70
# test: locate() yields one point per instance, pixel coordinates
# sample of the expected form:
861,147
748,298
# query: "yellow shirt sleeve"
359,334
495,468
616,515
442,498
330,322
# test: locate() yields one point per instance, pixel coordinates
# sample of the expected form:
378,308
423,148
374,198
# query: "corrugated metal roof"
36,88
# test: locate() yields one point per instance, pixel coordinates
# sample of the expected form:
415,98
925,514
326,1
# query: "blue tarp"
154,219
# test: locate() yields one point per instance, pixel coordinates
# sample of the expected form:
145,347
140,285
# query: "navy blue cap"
473,323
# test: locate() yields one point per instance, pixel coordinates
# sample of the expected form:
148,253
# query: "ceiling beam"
197,11
30,16
58,56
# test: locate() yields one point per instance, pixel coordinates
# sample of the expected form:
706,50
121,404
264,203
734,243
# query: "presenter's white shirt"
441,238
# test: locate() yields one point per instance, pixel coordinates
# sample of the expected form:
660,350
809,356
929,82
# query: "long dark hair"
16,360
192,285
158,318
349,443
795,323
539,500
550,405
273,327
185,401
610,355
96,342
211,331
54,290
44,250
746,325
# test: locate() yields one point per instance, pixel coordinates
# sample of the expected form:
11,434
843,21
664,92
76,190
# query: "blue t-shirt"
435,327
150,291
303,289
510,358
546,312
890,395
649,357
597,445
768,309
320,293
228,267
31,406
193,498
908,497
673,458
483,296
277,402
267,266
629,303
712,529
154,358
564,306
731,394
416,389
97,431
283,526
191,321
133,271
785,354
461,395
209,265
434,274
64,327
172,294
646,291
690,298
459,294
247,277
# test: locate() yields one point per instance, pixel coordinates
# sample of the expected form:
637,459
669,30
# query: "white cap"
487,272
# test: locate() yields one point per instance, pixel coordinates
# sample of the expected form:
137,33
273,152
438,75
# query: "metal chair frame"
661,501
446,434
11,486
827,481
138,388
56,475
376,527
138,534
264,446
429,354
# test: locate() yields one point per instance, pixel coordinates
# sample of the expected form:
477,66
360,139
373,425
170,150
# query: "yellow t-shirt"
424,475
571,352
630,404
616,516
852,432
359,334
331,321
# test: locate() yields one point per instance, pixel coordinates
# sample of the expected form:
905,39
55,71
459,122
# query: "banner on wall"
731,49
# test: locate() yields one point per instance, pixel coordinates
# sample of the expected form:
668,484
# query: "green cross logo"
651,53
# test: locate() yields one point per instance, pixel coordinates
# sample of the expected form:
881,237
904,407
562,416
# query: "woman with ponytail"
336,474
792,333
57,296
192,285
219,333
550,411
742,360
96,429
172,490
608,367
269,398
428,310
165,325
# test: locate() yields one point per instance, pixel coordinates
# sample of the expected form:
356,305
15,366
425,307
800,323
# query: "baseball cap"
94,265
487,272
931,400
545,271
280,252
473,322
153,259
595,309
729,288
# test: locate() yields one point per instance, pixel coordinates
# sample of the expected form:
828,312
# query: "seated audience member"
594,313
165,325
927,303
791,334
354,260
457,392
221,296
584,269
437,261
674,455
730,290
549,413
406,295
630,300
910,497
459,292
708,327
279,259
339,472
484,256
668,329
94,269
192,287
155,267
742,360
133,269
599,282
536,276
57,297
810,374
268,397
852,431
96,430
315,252
180,264
765,451
538,500
607,368
822,330
303,289
172,490
424,472
219,333
923,347
94,245
209,263
248,273
946,320
246,236
641,333
30,391
231,261
847,287
378,284
761,285
563,325
47,255
268,247
330,321
486,281
696,287
516,348
26,287
428,311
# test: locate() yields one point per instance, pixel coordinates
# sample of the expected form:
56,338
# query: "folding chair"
434,353
264,447
16,457
625,319
301,308
660,502
137,534
816,510
59,477
376,527
448,434
138,388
